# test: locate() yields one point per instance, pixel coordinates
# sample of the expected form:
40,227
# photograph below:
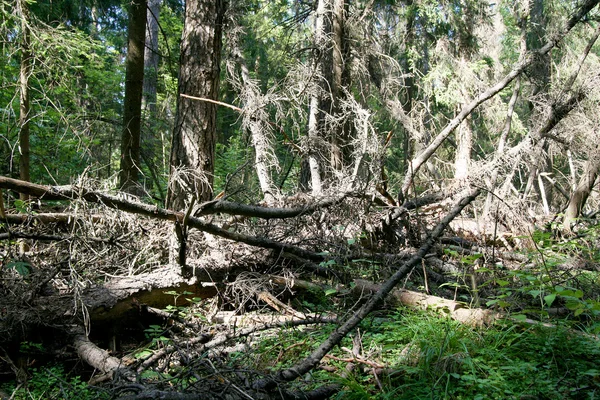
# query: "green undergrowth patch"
418,355
431,358
53,382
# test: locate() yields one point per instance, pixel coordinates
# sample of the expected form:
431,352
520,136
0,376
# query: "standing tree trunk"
24,107
132,114
151,57
338,141
255,119
540,71
315,115
194,134
464,144
152,134
582,191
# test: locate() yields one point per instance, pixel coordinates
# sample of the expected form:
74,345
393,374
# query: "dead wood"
317,355
132,206
210,340
454,309
415,164
120,295
278,305
49,218
99,358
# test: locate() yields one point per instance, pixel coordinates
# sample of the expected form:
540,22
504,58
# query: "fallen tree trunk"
456,310
99,358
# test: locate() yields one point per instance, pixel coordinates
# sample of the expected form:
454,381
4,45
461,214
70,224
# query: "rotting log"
118,296
99,358
454,309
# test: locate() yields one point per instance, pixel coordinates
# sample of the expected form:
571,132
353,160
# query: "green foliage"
546,285
23,268
54,383
230,171
435,358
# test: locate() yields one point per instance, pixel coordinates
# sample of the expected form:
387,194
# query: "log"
304,366
456,310
99,358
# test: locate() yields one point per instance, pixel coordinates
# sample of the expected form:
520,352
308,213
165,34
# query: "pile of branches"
98,261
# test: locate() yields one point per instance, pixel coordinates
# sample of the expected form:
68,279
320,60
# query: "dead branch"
212,341
135,207
304,366
415,164
49,218
278,305
454,309
355,360
99,358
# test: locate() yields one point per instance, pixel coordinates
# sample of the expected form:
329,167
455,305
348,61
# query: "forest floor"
93,307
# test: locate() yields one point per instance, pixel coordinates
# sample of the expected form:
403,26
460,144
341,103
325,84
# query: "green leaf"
535,293
519,317
559,289
502,282
549,299
329,292
23,268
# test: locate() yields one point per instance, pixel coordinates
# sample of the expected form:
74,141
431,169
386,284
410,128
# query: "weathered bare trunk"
582,191
337,139
24,107
194,134
132,114
464,141
541,161
256,121
315,118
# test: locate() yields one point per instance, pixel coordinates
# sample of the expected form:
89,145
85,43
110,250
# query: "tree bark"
338,141
132,115
255,119
463,150
582,191
194,134
315,115
151,57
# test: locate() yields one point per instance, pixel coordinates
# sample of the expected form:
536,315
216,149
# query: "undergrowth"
406,354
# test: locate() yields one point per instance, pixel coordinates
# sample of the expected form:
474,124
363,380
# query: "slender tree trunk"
194,134
24,107
582,191
501,145
151,57
151,137
315,118
338,142
463,150
132,115
256,121
541,161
